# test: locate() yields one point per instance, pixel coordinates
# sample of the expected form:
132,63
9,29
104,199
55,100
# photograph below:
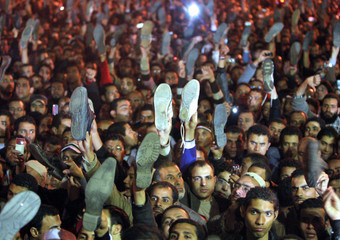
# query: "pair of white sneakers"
163,103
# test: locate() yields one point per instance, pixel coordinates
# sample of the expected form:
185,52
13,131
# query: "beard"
328,118
6,92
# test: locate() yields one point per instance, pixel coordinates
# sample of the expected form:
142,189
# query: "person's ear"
113,113
31,90
102,97
116,229
276,213
242,211
34,232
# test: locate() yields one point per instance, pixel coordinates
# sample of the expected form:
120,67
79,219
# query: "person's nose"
260,219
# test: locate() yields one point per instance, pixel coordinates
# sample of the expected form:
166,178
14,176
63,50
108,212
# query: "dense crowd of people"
137,119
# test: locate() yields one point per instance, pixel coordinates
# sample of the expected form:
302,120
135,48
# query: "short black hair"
297,173
258,129
264,166
118,216
289,162
117,128
310,203
57,119
158,166
200,231
23,119
199,163
27,181
236,129
114,103
256,157
262,193
278,120
163,184
36,222
331,96
316,119
290,131
327,131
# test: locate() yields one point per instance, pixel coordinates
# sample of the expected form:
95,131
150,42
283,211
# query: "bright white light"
62,8
140,25
193,10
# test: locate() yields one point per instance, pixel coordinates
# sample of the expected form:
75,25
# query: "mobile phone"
338,84
20,145
231,60
226,41
139,25
54,109
270,54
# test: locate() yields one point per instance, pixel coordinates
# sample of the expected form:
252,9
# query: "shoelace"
182,135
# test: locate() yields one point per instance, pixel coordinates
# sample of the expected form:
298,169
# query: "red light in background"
282,1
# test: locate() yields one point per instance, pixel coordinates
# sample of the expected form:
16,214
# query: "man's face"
297,119
57,90
327,146
136,100
245,121
173,175
222,186
312,129
203,138
241,94
301,191
22,89
259,218
147,116
169,217
4,125
123,112
116,148
65,122
161,199
286,172
258,144
7,86
202,182
171,78
128,181
290,145
275,129
242,187
27,130
111,94
14,190
73,77
125,67
183,231
131,137
48,223
254,101
321,92
203,106
334,166
45,73
234,144
329,110
39,106
17,109
245,165
37,82
127,86
312,221
27,71
45,124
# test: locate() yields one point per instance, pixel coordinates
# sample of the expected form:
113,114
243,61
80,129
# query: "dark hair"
335,177
235,129
289,162
147,107
264,166
331,96
284,193
113,136
36,222
290,131
22,119
118,216
298,173
173,207
57,119
257,157
258,129
297,111
200,232
163,164
114,103
163,184
310,203
261,193
327,131
316,119
117,128
141,231
198,164
26,180
279,120
223,167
